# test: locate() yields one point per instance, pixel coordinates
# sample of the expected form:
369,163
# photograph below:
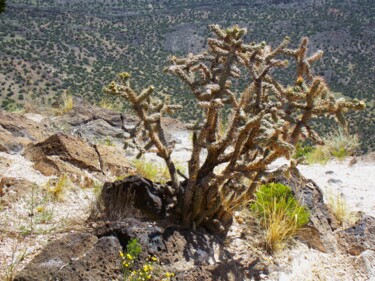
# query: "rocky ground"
37,150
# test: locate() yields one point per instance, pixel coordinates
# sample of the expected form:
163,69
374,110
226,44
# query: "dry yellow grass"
56,189
338,205
67,104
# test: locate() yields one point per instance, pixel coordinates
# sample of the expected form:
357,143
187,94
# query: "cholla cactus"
267,119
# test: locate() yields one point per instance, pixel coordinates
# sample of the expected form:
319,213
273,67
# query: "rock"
366,260
312,237
16,132
191,255
54,166
13,188
112,161
123,198
358,238
94,123
68,148
101,262
334,181
57,255
8,143
99,129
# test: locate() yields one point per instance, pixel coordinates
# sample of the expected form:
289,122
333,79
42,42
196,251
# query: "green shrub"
279,213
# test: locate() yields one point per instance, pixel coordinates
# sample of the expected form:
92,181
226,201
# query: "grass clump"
110,104
155,172
338,205
279,213
338,145
67,104
56,189
150,170
16,259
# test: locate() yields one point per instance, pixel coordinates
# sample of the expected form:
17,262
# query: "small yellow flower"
149,276
154,259
146,267
168,274
121,254
128,256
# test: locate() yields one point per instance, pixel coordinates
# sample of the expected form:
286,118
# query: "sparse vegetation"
279,213
338,205
337,145
156,172
16,259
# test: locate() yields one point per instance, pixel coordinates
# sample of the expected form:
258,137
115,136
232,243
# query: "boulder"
10,144
131,196
63,154
13,188
113,161
68,148
191,255
94,123
359,238
101,262
17,131
57,255
54,166
366,260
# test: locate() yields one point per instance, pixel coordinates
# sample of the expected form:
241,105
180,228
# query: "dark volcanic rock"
122,198
358,238
101,262
191,255
56,255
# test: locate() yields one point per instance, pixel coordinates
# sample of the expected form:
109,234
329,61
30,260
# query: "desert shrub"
279,213
267,119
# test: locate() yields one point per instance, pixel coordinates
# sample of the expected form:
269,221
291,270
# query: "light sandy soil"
356,183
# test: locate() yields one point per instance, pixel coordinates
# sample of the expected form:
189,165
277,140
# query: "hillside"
49,47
